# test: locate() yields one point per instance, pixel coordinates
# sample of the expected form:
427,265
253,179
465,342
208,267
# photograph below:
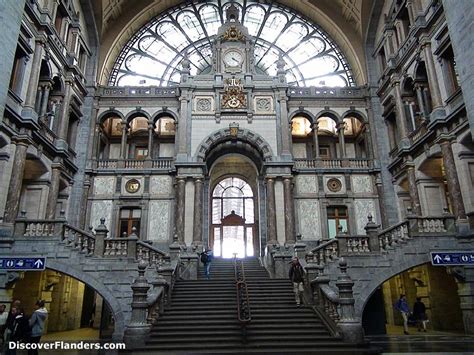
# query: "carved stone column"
421,100
198,201
53,192
315,128
414,196
431,72
452,180
151,126
179,214
411,12
16,180
34,76
123,142
401,119
44,100
290,236
285,128
64,113
181,133
342,143
271,211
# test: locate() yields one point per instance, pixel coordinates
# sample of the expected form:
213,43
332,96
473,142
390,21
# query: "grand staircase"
202,318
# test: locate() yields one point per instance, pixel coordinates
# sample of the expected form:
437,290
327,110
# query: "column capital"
315,126
425,41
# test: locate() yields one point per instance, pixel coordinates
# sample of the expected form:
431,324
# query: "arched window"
355,137
233,218
153,55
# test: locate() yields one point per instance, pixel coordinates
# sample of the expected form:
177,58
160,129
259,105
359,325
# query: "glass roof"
153,55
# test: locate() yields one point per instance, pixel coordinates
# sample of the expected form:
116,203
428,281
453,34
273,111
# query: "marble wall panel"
159,221
306,184
101,209
104,185
362,208
361,184
309,219
161,185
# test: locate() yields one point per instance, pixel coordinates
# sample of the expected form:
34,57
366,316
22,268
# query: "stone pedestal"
271,213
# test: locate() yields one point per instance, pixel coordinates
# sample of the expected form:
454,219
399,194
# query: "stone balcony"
145,164
347,163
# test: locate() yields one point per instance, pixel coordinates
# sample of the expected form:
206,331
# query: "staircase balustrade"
78,239
243,303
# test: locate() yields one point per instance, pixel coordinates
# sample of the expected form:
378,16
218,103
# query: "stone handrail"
38,227
352,163
116,247
432,224
329,300
358,244
325,252
78,239
160,163
393,236
150,254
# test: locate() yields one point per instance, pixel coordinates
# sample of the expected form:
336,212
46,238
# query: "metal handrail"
243,304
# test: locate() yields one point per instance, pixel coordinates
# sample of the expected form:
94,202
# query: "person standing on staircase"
297,277
206,258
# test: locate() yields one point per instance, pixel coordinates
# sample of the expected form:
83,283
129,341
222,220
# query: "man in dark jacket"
297,277
419,313
20,331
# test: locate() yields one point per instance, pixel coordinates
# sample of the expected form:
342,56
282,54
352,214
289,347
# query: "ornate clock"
233,58
132,186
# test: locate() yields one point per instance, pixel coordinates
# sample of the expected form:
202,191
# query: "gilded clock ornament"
233,34
234,96
132,186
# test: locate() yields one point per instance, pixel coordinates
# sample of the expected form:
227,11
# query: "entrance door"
232,231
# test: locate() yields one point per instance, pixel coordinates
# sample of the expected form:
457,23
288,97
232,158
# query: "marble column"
271,211
411,12
413,189
53,192
290,237
452,179
64,113
381,198
400,116
285,127
342,143
431,72
181,134
34,76
44,100
123,143
466,299
421,100
16,181
179,213
151,127
315,128
198,201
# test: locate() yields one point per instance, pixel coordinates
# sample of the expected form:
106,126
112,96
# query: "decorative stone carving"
263,104
361,184
104,185
137,185
203,105
334,185
161,185
233,34
306,184
132,186
234,96
309,219
101,209
158,226
362,209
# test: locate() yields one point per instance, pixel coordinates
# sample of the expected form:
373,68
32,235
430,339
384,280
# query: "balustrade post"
138,329
316,284
100,236
300,247
372,231
350,325
132,240
412,222
20,225
341,241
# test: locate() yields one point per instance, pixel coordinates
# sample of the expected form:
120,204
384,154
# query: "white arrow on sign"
437,259
38,264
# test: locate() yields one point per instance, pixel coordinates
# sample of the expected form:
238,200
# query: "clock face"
233,58
132,186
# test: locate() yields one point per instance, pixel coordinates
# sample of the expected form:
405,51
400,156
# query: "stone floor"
432,342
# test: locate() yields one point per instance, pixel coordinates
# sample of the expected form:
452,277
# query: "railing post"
412,222
59,226
300,247
137,331
350,326
132,240
372,231
20,225
342,241
100,235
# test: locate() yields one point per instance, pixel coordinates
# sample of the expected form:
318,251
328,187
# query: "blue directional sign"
452,258
23,263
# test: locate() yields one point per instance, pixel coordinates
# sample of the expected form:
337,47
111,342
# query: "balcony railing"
333,163
162,163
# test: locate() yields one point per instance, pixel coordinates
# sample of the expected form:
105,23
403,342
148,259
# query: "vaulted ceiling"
344,20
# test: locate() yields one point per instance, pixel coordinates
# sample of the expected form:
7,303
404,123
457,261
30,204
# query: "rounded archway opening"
434,286
75,309
233,206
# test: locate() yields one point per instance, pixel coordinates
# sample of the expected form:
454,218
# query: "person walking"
206,258
36,324
404,309
9,322
20,331
296,275
419,314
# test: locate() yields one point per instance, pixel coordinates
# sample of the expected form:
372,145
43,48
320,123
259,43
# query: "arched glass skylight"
153,55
